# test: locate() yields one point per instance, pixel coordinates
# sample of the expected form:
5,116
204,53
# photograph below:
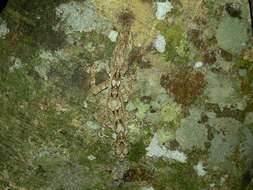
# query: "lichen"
148,82
162,8
160,43
171,112
164,135
222,91
246,147
191,134
79,17
3,29
188,110
141,109
156,150
224,142
113,35
227,34
200,169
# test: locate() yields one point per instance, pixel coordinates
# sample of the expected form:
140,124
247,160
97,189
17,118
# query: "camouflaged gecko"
119,66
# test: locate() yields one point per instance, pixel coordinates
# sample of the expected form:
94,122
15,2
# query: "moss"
42,14
241,63
177,176
192,81
21,85
247,80
177,47
103,45
137,151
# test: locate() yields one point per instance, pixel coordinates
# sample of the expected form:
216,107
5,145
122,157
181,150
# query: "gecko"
119,66
121,56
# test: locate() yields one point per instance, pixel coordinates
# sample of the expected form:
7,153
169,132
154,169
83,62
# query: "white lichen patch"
156,150
162,8
221,90
160,43
147,188
113,35
198,64
191,133
17,64
46,58
79,17
102,65
42,70
4,30
91,157
200,169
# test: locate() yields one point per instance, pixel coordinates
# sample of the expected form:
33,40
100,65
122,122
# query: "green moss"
243,64
137,151
21,85
42,15
102,44
177,45
177,175
173,34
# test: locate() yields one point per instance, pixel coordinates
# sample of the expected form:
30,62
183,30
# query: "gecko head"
126,17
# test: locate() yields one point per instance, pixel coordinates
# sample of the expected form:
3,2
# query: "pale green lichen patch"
80,17
223,91
227,34
191,134
148,82
171,112
226,139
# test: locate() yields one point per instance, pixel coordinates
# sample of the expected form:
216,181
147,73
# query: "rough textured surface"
3,28
191,133
80,17
187,109
227,34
